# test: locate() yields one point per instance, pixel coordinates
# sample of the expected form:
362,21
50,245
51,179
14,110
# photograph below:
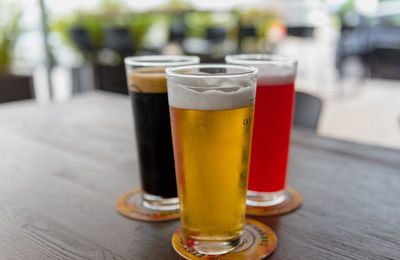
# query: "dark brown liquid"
153,136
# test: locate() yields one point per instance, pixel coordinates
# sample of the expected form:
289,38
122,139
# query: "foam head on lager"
148,92
272,125
211,110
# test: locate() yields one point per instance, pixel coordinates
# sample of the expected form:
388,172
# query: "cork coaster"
292,201
258,241
131,205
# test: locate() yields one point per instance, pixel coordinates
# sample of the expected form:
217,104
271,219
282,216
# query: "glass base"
213,247
131,205
292,201
265,199
155,202
256,242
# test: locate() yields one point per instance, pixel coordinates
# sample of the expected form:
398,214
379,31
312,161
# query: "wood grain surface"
63,166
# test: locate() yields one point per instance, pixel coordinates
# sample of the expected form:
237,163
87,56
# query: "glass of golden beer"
211,111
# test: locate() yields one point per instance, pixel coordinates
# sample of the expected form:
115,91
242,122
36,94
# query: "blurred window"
392,21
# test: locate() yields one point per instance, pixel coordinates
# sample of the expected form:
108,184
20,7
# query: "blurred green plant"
111,5
348,6
115,13
88,21
262,20
176,5
10,15
198,21
94,22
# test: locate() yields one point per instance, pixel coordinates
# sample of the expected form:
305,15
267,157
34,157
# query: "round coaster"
131,205
293,201
258,241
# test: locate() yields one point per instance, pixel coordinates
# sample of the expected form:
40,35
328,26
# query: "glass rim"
247,71
260,59
161,60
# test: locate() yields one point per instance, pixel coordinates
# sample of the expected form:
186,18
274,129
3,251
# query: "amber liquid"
212,153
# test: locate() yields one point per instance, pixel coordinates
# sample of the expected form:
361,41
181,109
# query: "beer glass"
148,92
272,125
211,110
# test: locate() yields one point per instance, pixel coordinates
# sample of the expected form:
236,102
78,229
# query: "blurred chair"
177,31
216,34
216,45
301,31
14,88
119,39
109,71
81,39
111,78
245,32
307,111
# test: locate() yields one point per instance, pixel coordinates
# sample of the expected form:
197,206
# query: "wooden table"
63,166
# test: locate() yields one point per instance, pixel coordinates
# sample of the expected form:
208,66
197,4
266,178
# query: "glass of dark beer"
148,92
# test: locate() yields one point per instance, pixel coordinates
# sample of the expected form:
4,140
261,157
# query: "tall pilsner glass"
272,125
148,90
211,110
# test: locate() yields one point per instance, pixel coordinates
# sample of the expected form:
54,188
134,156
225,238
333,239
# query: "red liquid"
271,134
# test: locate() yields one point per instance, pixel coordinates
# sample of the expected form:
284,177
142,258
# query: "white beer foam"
212,94
275,75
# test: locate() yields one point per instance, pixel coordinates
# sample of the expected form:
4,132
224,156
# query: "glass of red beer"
272,125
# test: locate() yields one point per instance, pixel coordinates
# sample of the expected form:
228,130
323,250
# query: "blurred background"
348,50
